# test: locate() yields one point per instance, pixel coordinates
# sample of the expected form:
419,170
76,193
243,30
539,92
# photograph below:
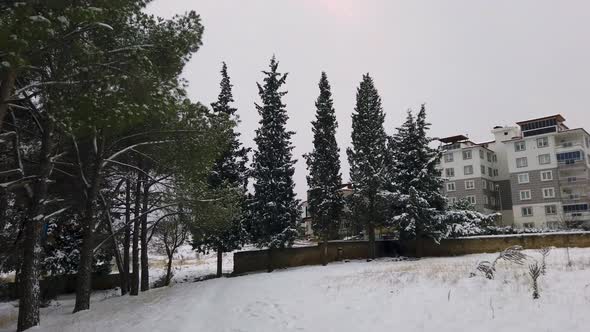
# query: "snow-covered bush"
462,220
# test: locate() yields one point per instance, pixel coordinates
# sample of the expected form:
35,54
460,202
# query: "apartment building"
548,164
471,172
539,173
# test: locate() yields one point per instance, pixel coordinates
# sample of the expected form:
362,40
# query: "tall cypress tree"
324,179
274,210
367,159
420,208
220,228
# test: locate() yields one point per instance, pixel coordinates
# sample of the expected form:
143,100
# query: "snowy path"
433,294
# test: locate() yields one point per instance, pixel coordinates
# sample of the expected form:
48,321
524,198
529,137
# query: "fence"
258,260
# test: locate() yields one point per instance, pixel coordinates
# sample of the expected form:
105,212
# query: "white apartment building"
471,172
540,172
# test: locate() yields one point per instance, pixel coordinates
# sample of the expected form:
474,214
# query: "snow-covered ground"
433,294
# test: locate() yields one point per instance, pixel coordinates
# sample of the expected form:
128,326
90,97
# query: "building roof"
453,139
558,117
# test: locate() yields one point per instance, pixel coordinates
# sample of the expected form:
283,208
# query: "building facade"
539,173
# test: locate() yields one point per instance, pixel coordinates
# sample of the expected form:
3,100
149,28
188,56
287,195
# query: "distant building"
346,190
536,174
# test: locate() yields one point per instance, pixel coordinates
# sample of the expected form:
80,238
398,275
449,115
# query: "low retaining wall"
483,244
53,286
257,260
250,261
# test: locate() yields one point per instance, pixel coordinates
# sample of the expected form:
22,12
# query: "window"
451,186
529,225
520,146
527,211
483,170
496,172
550,209
588,142
493,200
481,154
525,195
471,200
522,162
543,142
575,208
489,156
523,178
553,224
491,186
546,175
569,157
548,192
544,159
486,200
449,157
452,200
495,158
490,172
449,172
468,170
469,184
467,154
484,184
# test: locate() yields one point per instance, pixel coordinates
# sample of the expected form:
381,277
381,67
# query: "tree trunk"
28,310
127,238
135,251
28,314
117,253
219,261
145,272
6,87
84,276
169,270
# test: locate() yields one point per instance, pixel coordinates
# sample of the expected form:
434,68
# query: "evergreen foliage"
367,159
220,222
274,210
324,180
416,180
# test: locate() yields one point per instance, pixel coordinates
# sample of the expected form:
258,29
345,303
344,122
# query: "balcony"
572,164
570,144
574,198
574,179
577,216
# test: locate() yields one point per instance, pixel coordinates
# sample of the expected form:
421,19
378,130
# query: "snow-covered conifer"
324,179
367,160
274,210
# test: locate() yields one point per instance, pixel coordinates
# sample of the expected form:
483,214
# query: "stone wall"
257,260
483,244
250,261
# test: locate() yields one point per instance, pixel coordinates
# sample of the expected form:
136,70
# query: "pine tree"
324,179
417,180
274,210
367,159
220,228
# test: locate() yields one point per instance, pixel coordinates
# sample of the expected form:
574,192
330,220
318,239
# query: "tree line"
104,156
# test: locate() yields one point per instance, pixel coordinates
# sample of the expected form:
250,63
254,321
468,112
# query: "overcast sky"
475,63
